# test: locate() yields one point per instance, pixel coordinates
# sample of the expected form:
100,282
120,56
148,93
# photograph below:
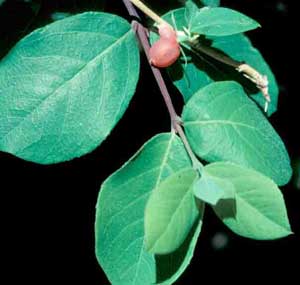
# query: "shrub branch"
142,35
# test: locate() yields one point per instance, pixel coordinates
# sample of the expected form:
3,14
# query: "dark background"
47,212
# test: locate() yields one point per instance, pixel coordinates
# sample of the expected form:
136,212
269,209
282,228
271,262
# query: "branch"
260,80
197,47
142,35
147,11
248,71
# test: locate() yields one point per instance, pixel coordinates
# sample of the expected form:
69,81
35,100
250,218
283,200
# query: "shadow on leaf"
226,208
216,70
170,266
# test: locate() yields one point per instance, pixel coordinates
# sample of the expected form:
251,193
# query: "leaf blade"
260,211
221,22
211,189
221,113
211,3
170,213
171,266
50,114
129,189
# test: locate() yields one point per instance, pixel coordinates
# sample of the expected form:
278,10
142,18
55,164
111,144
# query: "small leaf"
221,123
170,212
220,22
211,189
64,87
201,70
120,211
260,211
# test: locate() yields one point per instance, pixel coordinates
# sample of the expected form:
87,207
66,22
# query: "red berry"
167,32
164,53
166,50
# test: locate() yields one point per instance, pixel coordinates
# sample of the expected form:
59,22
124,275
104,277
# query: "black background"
47,212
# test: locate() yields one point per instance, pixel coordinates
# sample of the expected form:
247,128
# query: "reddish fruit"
167,32
166,50
164,53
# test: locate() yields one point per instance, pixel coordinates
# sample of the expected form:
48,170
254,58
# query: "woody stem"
150,13
142,35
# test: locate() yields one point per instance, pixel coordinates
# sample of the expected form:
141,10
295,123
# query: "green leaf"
211,3
211,189
170,212
120,215
201,3
65,86
191,9
171,266
221,123
260,211
220,22
202,70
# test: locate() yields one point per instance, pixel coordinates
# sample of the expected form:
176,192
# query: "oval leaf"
260,211
221,123
65,86
220,22
120,215
170,212
201,70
